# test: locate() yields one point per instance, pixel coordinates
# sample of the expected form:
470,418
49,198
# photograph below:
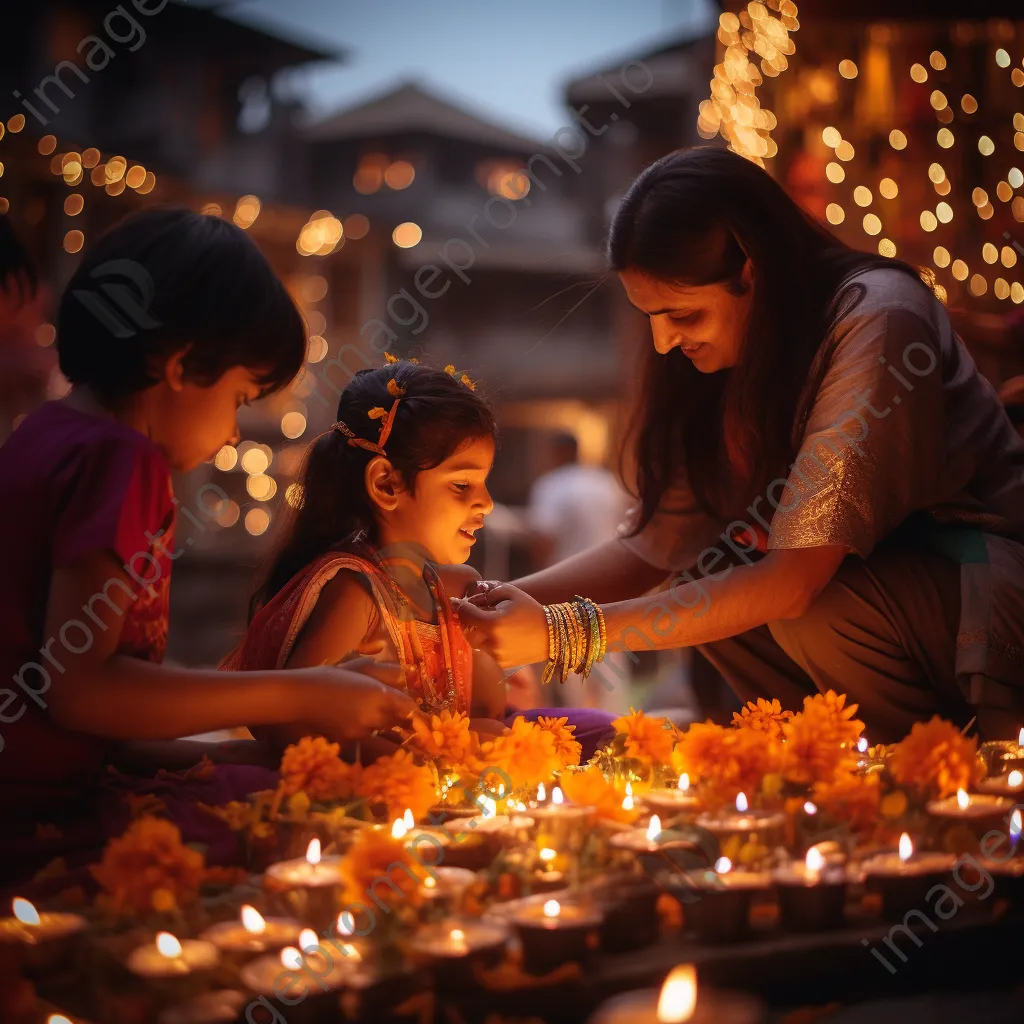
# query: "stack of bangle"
577,638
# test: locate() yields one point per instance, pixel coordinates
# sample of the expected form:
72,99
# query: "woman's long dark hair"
694,217
435,417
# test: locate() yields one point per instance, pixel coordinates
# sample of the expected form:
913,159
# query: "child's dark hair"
17,271
434,418
165,279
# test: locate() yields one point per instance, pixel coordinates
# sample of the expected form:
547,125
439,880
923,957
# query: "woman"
834,491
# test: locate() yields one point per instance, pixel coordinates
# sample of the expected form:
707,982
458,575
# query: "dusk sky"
506,60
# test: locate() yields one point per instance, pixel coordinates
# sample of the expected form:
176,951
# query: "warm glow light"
906,847
862,744
723,865
1015,177
888,189
167,945
835,172
399,830
74,240
810,808
986,147
252,920
407,234
937,61
57,1018
400,174
678,998
257,520
430,882
24,911
261,487
944,212
941,256
684,782
862,196
293,424
929,222
489,807
346,921
944,137
960,270
356,226
552,908
291,958
308,940
1014,779
845,150
627,800
872,224
457,935
313,851
255,461
408,819
919,73
541,793
897,139
814,861
654,828
556,796
1002,58
834,213
847,69
963,801
741,802
831,137
1020,738
1015,826
547,854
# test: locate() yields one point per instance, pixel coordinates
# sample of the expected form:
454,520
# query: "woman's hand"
506,623
350,703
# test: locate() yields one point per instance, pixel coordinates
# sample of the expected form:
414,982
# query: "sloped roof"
412,108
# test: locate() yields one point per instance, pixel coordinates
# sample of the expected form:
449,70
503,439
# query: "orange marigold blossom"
314,767
850,797
725,761
567,746
816,746
149,858
527,754
935,758
381,868
845,728
445,738
764,716
649,740
398,782
590,788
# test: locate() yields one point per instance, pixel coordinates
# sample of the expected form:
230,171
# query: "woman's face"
708,322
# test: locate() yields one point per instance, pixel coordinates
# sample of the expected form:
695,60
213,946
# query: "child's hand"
352,702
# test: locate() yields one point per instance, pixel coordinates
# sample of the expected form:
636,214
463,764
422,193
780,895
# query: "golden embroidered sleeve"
874,446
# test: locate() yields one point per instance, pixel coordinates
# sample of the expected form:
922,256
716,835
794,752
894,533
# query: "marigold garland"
149,868
764,716
398,782
648,740
935,758
314,767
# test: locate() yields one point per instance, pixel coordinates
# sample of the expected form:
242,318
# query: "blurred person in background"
572,507
1011,394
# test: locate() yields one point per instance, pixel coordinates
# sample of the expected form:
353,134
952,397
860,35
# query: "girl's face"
708,322
447,508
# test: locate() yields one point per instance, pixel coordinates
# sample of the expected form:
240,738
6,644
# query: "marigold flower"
445,738
819,742
845,728
765,716
148,859
567,747
313,766
850,797
726,761
398,782
378,868
590,788
648,740
528,754
936,758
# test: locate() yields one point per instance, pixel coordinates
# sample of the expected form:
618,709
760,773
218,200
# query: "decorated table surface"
726,874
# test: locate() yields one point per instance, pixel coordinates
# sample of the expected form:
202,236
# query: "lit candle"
43,941
252,933
904,878
680,1001
812,896
627,800
315,972
457,942
676,800
978,809
307,888
762,830
408,820
541,794
1004,785
167,957
1004,756
553,933
717,903
556,796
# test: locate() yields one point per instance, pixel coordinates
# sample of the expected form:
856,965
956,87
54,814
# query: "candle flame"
1020,737
684,782
741,802
489,808
814,861
906,848
291,958
963,801
430,882
723,865
457,935
398,829
313,851
408,820
810,808
541,793
351,951
346,920
556,796
678,998
252,920
308,940
167,945
862,744
57,1018
547,854
654,829
627,800
1016,826
1015,778
24,911
552,908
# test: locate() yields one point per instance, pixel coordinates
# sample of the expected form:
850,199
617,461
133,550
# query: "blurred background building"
901,125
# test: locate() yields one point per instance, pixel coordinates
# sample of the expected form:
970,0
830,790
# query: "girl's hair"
435,417
165,279
693,218
17,271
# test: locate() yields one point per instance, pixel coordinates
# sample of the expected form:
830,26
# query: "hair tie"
385,430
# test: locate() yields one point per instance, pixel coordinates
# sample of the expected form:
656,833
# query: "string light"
944,138
986,147
862,195
888,189
835,172
919,73
897,139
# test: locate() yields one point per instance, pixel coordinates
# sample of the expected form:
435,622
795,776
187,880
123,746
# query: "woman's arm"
606,572
104,693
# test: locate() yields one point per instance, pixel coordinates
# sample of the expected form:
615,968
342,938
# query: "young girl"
158,366
392,498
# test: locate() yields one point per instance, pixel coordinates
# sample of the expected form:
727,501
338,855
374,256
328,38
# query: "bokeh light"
227,458
897,139
834,213
406,235
888,189
316,348
399,175
74,240
257,520
255,460
862,196
872,224
293,424
847,69
940,257
834,172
